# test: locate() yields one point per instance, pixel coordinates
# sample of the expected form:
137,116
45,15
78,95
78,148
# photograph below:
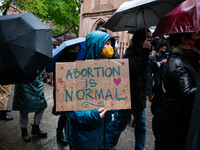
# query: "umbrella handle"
144,20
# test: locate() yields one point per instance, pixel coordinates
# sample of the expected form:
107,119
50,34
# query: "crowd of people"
165,73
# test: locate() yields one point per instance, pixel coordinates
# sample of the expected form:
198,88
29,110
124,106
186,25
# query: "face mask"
163,50
107,52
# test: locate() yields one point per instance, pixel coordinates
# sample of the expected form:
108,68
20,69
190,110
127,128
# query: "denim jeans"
140,129
120,124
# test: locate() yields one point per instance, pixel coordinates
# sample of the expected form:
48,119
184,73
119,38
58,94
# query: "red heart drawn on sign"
61,67
117,81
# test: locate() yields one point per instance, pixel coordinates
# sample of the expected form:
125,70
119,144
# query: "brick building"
94,13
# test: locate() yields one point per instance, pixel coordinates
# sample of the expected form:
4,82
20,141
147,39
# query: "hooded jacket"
95,42
30,97
85,130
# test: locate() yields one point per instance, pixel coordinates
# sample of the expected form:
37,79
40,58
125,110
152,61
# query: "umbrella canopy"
58,51
25,47
53,40
68,43
132,15
184,18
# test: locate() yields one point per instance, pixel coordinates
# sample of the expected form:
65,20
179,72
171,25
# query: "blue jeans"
140,129
120,124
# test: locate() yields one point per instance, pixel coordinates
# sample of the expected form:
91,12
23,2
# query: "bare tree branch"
63,33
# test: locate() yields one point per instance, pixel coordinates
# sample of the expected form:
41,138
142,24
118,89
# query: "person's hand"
164,61
153,52
147,43
151,99
102,112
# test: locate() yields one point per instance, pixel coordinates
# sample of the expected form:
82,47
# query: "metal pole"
144,20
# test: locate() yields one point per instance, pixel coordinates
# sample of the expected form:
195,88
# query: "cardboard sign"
92,84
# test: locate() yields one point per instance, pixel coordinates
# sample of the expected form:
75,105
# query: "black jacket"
180,81
193,135
138,62
171,119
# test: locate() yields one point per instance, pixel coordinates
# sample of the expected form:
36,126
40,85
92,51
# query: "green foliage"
64,14
33,6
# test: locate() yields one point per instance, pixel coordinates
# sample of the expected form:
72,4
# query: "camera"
154,42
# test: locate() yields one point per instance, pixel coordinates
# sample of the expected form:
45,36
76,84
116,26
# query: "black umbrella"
132,15
25,48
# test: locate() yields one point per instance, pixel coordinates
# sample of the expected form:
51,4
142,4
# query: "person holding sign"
92,129
138,54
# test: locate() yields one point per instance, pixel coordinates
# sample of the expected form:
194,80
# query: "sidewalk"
10,132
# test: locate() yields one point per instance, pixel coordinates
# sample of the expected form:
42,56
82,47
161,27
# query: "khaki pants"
4,95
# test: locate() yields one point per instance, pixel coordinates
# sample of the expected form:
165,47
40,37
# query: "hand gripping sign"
92,84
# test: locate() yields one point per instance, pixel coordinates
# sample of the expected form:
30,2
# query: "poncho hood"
95,42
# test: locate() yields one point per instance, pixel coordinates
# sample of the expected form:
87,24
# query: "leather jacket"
180,81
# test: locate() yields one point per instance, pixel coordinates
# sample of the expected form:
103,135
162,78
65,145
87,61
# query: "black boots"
25,135
60,137
5,116
59,131
36,130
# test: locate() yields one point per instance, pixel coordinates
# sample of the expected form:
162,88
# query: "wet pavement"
10,132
